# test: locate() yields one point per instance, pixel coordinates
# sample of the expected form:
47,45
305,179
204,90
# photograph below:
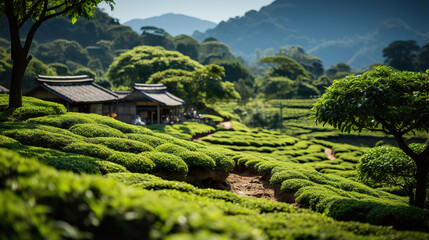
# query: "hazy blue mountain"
352,31
174,24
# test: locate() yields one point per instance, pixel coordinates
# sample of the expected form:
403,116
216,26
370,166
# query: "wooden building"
77,93
151,102
4,90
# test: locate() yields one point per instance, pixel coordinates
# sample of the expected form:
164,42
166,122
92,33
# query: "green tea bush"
279,177
173,149
35,198
167,163
294,184
183,143
147,139
64,121
31,107
116,124
90,149
198,160
107,167
223,162
96,130
40,138
132,162
7,142
121,144
400,217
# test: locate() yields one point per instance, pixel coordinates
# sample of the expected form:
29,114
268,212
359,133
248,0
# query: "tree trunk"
422,179
15,96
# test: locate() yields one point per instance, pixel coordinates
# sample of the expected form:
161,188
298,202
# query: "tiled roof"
78,89
122,94
158,93
3,90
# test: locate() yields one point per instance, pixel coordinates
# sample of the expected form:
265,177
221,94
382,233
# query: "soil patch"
247,184
330,153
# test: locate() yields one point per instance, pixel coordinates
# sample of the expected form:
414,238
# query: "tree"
286,67
138,64
187,46
198,88
423,58
310,63
387,166
19,12
401,55
338,70
384,100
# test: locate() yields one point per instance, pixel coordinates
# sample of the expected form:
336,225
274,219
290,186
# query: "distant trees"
407,55
338,71
18,13
153,36
384,100
198,88
286,76
310,63
138,64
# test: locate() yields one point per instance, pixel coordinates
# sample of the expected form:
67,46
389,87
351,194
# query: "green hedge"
121,144
167,163
39,202
147,139
64,121
90,149
132,162
223,162
31,107
107,167
40,138
116,124
194,160
92,130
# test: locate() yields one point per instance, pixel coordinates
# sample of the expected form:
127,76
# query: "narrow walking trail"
250,185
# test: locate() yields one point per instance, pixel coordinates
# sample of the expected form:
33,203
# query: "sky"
212,10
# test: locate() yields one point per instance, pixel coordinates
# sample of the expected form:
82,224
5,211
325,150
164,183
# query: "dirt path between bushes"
226,124
247,184
330,153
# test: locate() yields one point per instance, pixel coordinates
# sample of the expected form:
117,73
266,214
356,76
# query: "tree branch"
28,15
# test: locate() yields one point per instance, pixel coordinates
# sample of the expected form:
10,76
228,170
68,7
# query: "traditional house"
77,93
151,102
4,90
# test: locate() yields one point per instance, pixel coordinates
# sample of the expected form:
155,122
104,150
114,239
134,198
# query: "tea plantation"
84,176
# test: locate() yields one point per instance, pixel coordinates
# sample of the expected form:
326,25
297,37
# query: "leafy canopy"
382,99
138,64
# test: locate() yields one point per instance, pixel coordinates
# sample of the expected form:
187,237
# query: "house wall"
126,111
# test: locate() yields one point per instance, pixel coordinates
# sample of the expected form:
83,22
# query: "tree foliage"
385,100
387,166
401,55
139,63
18,13
198,88
310,63
286,67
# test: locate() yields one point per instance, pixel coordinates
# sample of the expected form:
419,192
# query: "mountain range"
174,24
353,31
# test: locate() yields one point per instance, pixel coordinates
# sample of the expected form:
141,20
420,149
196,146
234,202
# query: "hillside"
354,32
174,24
150,184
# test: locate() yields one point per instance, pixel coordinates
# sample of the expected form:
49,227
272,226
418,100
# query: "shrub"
31,107
167,163
40,138
121,126
197,160
96,130
90,149
294,184
121,144
7,142
132,162
147,139
172,148
279,177
64,121
223,162
107,167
